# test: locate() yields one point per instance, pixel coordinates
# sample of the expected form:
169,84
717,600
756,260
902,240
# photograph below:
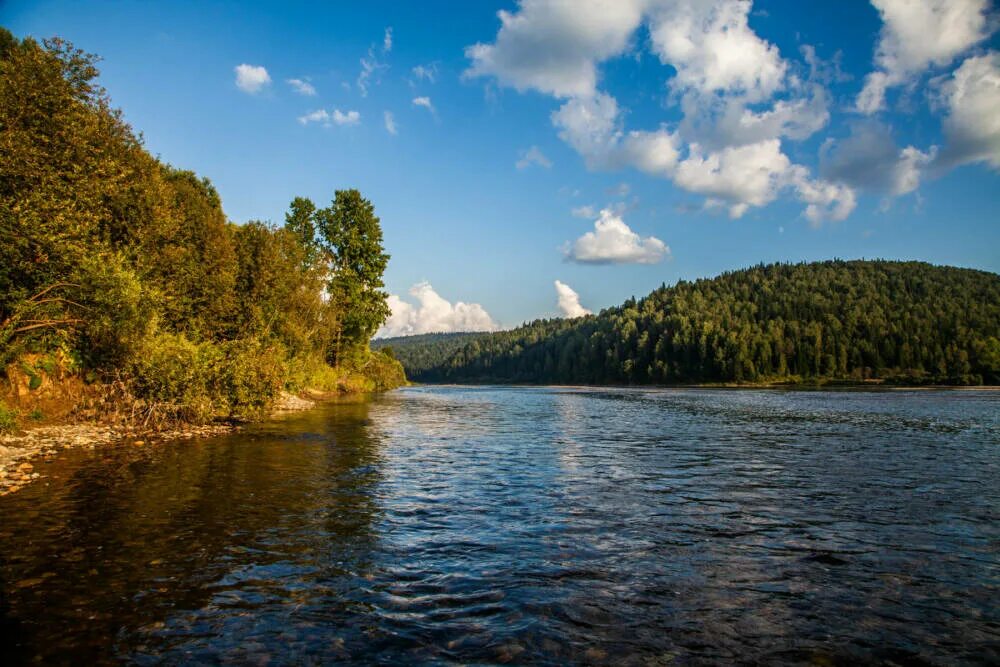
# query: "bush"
8,419
172,373
248,378
120,312
197,382
385,371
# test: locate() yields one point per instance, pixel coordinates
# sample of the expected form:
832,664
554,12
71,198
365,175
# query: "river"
525,525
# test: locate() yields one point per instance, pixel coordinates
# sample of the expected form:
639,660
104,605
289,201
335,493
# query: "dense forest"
902,322
124,271
421,353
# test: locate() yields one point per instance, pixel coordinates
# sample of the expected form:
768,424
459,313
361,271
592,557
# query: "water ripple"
527,525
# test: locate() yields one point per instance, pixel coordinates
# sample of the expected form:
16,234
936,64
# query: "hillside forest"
124,272
853,321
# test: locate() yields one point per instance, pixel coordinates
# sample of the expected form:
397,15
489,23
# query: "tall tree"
352,234
300,221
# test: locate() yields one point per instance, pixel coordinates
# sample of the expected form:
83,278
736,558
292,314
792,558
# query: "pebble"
45,441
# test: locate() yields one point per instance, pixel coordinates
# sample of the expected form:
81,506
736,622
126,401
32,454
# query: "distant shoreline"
875,387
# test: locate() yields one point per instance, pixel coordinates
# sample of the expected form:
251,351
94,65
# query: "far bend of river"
526,525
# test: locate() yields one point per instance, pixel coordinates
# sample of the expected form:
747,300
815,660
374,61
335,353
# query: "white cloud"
584,212
349,118
390,122
387,40
433,314
337,117
824,200
591,126
569,301
533,155
318,116
251,78
302,87
918,35
424,102
425,72
743,176
554,46
613,242
740,101
740,175
713,49
972,99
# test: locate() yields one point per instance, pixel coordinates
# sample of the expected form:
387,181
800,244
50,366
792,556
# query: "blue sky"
690,138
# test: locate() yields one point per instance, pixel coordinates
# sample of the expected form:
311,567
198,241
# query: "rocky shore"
18,451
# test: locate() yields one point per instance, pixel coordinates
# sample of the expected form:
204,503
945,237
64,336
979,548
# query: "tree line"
903,322
120,267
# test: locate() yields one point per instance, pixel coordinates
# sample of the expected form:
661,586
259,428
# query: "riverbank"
19,452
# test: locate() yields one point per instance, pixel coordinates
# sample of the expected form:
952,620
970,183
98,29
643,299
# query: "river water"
526,525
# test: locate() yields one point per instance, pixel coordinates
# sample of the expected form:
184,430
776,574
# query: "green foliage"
8,419
36,415
384,371
175,372
119,310
352,237
197,382
300,222
904,322
248,379
130,267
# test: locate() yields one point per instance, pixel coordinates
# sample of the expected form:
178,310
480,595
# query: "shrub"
385,371
172,373
196,382
248,378
8,419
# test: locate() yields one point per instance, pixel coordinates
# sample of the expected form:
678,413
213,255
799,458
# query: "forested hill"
421,353
905,322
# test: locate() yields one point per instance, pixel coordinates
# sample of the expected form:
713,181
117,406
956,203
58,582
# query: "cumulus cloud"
743,176
533,155
825,200
336,117
569,301
741,102
918,35
433,314
302,87
424,102
251,78
613,242
972,99
724,149
554,47
390,122
584,212
713,49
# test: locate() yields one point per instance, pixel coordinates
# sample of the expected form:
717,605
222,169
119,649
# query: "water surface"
516,525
